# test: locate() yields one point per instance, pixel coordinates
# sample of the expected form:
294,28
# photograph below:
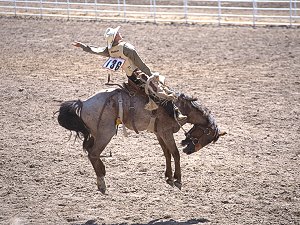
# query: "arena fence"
239,12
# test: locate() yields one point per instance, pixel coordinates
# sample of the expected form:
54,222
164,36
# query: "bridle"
206,131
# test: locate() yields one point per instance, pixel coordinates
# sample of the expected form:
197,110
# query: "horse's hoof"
170,182
178,184
101,184
102,190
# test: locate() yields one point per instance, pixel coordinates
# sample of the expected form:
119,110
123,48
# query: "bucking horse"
96,119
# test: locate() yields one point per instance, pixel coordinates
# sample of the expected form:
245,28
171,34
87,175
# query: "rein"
181,127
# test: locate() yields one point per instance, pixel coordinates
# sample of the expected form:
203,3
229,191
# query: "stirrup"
181,117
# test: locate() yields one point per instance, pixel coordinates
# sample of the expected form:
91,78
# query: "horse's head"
199,136
205,129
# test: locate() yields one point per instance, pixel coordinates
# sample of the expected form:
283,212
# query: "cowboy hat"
110,35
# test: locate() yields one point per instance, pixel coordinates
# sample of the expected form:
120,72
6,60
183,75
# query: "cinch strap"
120,114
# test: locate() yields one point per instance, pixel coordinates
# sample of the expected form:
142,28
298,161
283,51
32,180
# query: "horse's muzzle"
190,147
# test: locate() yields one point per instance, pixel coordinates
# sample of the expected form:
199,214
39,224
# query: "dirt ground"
248,78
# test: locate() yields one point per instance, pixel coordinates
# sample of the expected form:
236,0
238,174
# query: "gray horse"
95,119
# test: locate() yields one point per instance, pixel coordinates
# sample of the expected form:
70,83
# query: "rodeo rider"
123,55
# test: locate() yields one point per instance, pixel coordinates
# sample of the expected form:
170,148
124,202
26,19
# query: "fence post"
124,9
219,12
151,8
41,8
154,11
119,8
254,12
85,3
95,9
15,7
68,3
185,3
291,12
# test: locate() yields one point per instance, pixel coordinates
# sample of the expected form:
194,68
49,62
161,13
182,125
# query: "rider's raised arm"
103,51
131,53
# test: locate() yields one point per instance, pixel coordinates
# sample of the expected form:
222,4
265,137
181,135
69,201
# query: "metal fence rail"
248,12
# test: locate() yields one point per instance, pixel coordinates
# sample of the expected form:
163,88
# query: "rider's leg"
153,86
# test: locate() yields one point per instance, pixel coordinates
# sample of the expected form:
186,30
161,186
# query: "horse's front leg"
169,141
177,173
167,154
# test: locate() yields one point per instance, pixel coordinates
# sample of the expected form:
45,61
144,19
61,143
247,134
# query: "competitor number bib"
114,64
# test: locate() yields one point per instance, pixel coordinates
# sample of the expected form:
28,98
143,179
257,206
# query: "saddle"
154,102
134,89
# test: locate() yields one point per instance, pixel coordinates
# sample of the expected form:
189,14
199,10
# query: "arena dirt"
248,77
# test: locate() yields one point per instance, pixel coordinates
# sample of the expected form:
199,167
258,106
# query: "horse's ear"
222,133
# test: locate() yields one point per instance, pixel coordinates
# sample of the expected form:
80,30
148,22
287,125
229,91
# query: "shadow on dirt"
153,222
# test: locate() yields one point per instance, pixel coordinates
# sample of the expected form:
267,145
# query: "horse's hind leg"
101,142
100,171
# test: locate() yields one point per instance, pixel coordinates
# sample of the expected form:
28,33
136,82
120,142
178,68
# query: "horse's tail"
69,117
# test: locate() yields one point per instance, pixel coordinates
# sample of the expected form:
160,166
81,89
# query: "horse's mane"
196,104
199,107
188,98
